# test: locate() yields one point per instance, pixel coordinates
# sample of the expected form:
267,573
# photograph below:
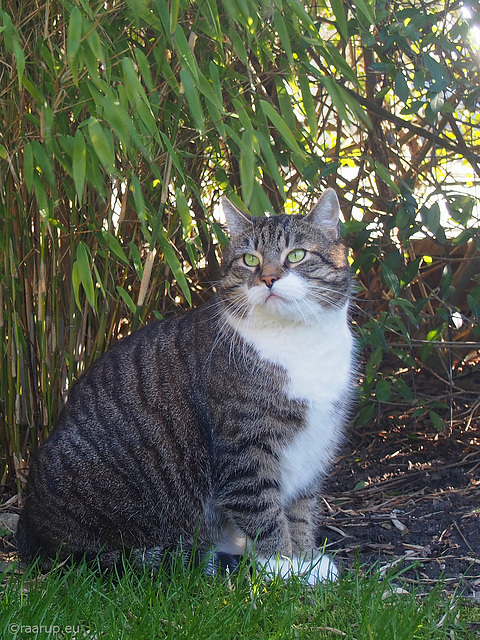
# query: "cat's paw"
311,569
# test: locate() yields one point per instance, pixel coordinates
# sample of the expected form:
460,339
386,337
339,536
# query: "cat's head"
285,266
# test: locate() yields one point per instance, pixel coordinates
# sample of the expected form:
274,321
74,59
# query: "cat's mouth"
274,297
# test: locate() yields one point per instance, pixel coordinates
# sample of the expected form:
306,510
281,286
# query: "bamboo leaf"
367,9
133,87
386,177
139,200
282,31
272,165
193,99
278,122
144,67
308,103
132,307
74,34
174,264
115,246
340,18
28,166
185,53
79,164
20,60
76,282
183,210
174,7
102,144
85,273
44,163
95,45
247,166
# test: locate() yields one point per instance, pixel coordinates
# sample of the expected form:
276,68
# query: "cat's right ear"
238,222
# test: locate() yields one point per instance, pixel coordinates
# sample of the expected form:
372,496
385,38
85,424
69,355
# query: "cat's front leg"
257,513
308,561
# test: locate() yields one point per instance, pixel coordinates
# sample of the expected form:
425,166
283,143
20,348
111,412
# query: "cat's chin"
278,308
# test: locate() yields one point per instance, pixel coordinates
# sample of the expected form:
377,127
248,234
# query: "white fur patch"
315,347
312,569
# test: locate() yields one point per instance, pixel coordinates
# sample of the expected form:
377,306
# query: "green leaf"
272,165
28,166
383,391
474,304
438,72
44,162
174,7
139,200
144,68
401,87
281,28
79,164
85,273
174,264
102,144
365,414
133,86
340,18
279,124
390,278
247,165
308,103
115,246
95,45
183,210
193,99
74,33
438,421
403,389
76,284
132,307
411,271
431,218
446,281
385,176
367,9
19,59
186,55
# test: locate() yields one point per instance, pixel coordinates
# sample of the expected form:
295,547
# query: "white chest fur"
318,361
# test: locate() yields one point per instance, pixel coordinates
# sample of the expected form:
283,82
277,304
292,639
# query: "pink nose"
269,280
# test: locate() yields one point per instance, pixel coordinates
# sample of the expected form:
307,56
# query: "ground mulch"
406,496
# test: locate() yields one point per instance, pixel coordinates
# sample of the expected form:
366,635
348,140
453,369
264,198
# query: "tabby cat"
214,427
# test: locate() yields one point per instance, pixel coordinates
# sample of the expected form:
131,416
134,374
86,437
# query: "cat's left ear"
238,222
325,214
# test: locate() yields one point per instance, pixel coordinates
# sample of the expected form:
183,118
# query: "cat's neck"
262,322
317,356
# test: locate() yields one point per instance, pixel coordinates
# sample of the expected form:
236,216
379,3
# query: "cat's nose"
269,280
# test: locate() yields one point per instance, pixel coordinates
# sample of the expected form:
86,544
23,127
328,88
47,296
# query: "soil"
408,497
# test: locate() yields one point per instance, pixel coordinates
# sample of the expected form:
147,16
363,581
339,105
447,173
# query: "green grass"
80,603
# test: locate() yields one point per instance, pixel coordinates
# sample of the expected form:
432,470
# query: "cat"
213,428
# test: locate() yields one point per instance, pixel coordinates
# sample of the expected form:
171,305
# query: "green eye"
297,255
251,260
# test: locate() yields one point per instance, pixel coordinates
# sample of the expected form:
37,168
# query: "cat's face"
285,266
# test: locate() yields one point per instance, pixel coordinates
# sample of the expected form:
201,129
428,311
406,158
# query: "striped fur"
215,427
